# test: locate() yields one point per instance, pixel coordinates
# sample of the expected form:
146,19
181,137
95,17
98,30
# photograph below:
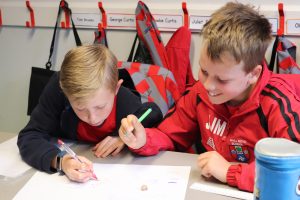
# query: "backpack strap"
273,55
130,57
62,5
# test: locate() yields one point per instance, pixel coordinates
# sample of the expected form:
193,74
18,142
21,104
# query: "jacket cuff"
145,150
233,175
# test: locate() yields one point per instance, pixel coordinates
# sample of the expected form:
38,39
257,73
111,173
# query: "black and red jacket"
54,118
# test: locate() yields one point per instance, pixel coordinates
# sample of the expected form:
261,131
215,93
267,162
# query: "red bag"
178,51
175,57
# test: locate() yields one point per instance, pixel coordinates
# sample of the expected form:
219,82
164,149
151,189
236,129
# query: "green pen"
145,115
141,118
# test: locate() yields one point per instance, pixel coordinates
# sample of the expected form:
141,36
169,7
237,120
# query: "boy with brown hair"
86,102
236,102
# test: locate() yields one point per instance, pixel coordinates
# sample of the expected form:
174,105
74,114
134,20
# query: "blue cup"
277,170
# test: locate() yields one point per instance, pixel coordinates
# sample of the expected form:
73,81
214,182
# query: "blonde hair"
239,30
87,68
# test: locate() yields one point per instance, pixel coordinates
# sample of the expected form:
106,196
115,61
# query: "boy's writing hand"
77,171
213,164
110,145
132,132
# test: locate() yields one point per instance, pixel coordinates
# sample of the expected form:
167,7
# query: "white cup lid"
279,147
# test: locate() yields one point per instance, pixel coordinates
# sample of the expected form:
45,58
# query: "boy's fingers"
96,147
117,150
106,149
86,164
126,125
80,176
102,147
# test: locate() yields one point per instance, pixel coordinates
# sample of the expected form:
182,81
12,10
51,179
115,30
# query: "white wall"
21,48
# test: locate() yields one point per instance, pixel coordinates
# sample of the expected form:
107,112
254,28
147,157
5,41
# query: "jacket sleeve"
178,129
281,107
36,140
242,176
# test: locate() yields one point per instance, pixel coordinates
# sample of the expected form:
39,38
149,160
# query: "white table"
10,186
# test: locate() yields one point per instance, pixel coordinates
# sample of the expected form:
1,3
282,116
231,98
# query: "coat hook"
30,24
0,18
104,20
64,5
186,15
280,30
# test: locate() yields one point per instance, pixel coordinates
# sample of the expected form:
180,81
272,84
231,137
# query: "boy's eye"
100,107
204,72
223,81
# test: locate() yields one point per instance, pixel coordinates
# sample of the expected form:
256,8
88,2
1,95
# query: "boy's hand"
213,164
110,145
77,171
132,132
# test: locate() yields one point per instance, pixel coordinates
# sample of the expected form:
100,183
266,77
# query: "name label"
86,19
197,22
120,20
274,24
168,21
293,26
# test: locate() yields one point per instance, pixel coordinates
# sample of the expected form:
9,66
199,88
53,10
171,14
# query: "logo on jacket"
210,142
239,153
217,126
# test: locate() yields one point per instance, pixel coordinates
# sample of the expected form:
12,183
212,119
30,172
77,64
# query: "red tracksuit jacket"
272,110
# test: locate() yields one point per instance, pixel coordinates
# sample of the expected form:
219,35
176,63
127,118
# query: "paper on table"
116,181
225,191
12,164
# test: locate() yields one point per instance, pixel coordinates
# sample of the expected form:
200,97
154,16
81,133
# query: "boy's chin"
97,124
216,101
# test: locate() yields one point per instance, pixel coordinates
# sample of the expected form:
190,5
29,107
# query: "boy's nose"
92,118
209,84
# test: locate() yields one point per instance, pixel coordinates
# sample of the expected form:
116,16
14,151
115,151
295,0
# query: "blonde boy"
84,101
236,102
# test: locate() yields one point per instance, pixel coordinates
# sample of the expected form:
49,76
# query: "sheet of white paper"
116,181
231,192
11,163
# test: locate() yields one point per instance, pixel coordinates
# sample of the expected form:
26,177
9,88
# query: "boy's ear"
255,74
118,86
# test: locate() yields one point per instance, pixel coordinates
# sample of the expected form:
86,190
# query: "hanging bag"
40,76
285,52
149,34
152,83
100,36
178,51
174,57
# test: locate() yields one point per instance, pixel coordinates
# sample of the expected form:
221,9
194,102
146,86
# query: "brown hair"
239,30
87,68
